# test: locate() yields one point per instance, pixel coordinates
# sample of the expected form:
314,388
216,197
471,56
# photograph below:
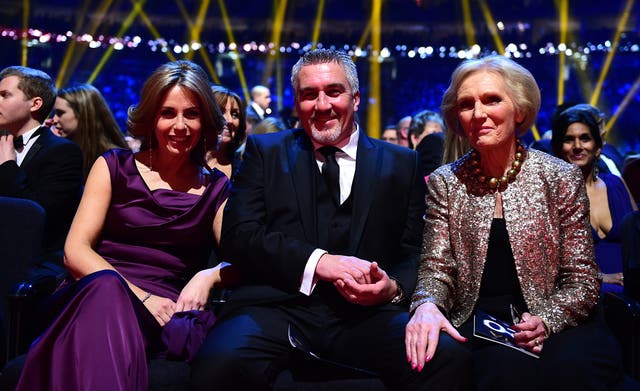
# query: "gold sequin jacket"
546,210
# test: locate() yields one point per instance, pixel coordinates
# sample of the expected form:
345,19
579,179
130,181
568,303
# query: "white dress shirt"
28,142
259,110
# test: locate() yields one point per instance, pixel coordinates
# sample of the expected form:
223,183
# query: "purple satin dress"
102,335
608,250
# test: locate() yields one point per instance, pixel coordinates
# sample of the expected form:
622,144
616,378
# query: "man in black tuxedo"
327,240
34,163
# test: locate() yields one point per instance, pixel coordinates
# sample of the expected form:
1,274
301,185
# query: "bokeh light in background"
116,44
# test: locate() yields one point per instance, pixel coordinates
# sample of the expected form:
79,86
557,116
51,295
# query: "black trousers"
586,357
248,348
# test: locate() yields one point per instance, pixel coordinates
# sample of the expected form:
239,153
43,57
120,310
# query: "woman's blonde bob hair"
519,82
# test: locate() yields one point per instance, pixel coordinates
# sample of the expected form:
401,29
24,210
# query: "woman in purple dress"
577,138
138,247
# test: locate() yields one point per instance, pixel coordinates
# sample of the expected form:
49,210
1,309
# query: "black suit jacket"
269,226
431,151
51,175
612,153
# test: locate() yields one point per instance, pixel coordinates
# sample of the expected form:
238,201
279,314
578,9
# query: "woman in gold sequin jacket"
507,233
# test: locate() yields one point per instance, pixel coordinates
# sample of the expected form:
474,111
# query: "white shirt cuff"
308,277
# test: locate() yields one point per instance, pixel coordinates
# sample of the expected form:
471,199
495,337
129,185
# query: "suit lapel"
365,183
301,166
37,146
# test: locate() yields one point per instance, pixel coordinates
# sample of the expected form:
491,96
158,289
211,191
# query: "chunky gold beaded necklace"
479,184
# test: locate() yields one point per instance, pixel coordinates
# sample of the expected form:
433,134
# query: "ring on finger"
536,342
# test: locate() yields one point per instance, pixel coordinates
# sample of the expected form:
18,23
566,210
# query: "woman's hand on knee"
423,333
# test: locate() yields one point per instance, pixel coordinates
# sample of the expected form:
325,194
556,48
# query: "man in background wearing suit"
258,107
325,225
34,163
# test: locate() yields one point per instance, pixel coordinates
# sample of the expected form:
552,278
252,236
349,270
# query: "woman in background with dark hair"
224,157
138,247
82,115
577,139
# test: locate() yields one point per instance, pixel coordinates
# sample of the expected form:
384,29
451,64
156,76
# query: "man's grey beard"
326,137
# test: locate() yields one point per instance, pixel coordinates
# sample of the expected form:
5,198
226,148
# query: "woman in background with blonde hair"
82,115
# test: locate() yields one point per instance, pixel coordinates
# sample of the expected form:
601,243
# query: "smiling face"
65,120
178,124
579,147
231,114
325,103
486,112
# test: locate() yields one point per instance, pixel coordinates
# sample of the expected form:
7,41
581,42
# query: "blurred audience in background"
390,135
268,125
426,136
258,108
225,157
403,130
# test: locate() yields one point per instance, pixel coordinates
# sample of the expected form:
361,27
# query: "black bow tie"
19,143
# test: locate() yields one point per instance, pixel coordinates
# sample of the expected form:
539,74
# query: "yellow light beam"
273,59
365,34
154,32
612,51
563,15
197,29
234,52
373,102
209,66
491,24
584,78
63,74
137,7
25,27
623,105
278,22
280,7
469,31
185,14
317,25
363,38
203,52
68,54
